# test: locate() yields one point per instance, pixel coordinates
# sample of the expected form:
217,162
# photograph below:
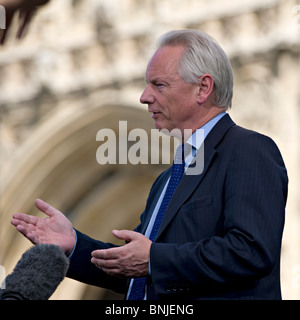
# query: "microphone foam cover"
38,273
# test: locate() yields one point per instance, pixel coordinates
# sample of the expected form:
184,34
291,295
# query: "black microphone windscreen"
37,274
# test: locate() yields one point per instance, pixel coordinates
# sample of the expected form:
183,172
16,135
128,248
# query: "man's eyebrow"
155,80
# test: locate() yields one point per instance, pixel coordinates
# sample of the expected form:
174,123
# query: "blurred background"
80,68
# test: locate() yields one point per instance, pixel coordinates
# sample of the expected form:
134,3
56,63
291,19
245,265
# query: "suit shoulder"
251,144
238,134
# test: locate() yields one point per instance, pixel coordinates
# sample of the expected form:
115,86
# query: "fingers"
46,208
29,233
40,205
126,235
25,8
28,225
106,254
107,261
130,260
22,218
25,224
25,19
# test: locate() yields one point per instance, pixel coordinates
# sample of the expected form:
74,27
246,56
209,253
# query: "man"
218,235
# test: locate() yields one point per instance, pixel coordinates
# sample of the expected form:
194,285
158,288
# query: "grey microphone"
37,274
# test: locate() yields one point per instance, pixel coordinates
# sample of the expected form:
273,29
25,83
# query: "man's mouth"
155,114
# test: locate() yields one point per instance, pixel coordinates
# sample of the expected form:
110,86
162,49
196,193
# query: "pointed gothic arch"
58,163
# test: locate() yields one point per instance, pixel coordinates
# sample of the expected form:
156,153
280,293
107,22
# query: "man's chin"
175,132
161,126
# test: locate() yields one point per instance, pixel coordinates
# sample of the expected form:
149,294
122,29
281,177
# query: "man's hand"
19,4
26,10
54,229
130,260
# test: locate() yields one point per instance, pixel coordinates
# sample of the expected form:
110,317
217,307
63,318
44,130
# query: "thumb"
126,235
46,208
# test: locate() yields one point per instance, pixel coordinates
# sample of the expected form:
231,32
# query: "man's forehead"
164,62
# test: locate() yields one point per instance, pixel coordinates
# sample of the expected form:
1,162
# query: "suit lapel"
190,182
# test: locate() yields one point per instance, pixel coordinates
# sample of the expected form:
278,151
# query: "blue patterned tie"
138,286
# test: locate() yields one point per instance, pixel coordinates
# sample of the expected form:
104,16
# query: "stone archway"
58,164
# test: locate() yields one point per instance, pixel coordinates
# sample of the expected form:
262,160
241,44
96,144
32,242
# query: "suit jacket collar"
189,183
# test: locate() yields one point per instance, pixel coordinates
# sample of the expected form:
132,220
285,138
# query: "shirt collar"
197,138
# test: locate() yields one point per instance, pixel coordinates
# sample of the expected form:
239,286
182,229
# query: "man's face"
172,102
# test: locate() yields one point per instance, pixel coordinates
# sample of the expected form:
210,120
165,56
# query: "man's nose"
147,96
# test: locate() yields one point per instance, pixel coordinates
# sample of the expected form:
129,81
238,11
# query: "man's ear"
206,87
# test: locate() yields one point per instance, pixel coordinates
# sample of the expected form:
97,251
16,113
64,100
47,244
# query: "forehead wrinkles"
164,64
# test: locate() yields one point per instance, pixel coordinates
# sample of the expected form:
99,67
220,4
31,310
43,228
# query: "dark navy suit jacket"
221,235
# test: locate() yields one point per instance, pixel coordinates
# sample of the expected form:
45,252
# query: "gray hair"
202,55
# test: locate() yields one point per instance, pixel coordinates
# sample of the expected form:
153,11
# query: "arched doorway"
57,163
